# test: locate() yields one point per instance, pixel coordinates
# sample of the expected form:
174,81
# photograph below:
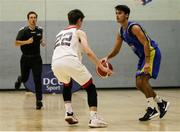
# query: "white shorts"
70,67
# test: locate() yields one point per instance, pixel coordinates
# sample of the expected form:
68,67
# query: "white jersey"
67,44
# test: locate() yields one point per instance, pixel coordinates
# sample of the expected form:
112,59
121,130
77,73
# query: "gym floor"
120,108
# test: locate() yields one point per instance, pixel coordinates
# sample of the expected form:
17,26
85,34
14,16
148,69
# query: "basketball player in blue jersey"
149,60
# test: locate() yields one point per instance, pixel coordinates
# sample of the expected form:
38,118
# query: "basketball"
102,73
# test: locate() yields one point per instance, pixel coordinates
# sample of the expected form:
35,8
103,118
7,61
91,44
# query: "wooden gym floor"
120,108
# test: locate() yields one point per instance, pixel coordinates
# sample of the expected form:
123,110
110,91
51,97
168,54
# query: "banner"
50,83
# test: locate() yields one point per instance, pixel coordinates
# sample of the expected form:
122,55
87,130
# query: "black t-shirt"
24,34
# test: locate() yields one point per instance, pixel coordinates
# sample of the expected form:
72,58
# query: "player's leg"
67,95
151,111
37,72
146,87
25,70
138,75
95,121
142,80
162,104
143,83
59,69
84,78
139,83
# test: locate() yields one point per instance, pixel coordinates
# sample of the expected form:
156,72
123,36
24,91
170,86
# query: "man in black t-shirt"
29,39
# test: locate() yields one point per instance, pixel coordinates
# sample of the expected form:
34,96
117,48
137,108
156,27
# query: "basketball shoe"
96,122
163,106
70,118
150,113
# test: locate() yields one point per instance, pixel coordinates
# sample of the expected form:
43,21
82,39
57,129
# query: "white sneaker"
70,119
97,123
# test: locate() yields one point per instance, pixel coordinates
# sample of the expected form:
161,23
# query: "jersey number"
64,39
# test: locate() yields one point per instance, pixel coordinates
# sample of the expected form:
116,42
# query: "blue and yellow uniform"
138,48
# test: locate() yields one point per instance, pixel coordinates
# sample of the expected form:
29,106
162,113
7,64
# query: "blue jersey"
133,41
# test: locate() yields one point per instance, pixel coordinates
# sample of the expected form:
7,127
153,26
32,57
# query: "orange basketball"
102,73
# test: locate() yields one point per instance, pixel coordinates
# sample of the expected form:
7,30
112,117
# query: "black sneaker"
18,83
151,113
163,108
39,104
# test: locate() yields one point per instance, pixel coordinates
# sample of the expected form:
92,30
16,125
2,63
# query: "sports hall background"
160,18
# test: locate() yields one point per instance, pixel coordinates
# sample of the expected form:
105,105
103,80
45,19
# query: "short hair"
123,8
31,12
74,15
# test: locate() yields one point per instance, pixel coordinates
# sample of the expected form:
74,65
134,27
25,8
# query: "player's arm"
84,43
42,41
116,48
83,40
137,31
20,42
24,42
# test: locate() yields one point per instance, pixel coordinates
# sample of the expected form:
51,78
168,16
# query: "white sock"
68,107
158,99
150,102
93,114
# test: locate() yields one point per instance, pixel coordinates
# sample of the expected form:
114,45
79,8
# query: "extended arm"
91,55
116,48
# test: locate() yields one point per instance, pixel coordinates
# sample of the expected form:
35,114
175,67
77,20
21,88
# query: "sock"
68,107
158,99
93,114
150,102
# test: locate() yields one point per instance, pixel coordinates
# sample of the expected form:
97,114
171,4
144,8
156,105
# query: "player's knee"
67,92
145,80
91,95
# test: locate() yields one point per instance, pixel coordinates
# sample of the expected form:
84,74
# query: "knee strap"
91,95
67,92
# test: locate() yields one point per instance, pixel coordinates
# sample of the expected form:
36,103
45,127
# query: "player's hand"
105,59
147,68
43,44
105,69
30,40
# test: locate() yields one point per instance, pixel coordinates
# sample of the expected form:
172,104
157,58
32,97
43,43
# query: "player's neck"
71,26
124,24
74,26
32,27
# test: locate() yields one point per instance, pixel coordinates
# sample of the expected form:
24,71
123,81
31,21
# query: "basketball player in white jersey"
66,65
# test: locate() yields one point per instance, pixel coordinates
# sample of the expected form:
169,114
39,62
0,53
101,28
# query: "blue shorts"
155,61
